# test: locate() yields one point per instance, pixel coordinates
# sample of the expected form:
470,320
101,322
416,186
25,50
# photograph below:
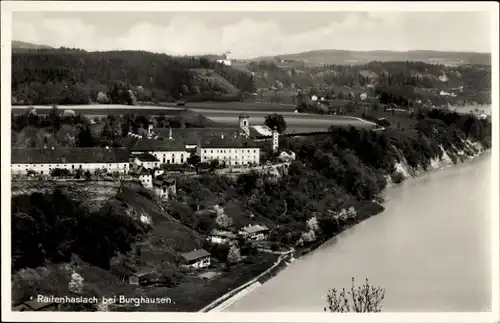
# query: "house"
221,236
482,116
34,305
363,96
164,187
44,160
254,232
143,277
198,258
167,151
146,178
148,161
286,156
225,59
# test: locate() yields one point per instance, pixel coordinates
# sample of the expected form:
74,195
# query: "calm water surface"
430,250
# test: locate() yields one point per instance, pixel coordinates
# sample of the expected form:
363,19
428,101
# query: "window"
211,150
72,166
41,172
182,158
80,166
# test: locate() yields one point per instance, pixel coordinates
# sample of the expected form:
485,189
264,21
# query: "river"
430,250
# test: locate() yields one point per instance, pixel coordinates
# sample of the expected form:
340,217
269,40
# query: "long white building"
231,152
44,160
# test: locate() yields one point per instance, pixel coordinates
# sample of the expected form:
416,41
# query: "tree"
102,98
359,299
76,283
234,255
85,137
277,121
193,160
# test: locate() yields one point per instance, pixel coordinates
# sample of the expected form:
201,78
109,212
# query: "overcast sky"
251,34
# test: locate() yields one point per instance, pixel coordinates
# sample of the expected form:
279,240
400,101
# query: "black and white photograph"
233,158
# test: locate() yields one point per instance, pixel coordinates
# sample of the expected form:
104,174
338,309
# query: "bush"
60,172
397,177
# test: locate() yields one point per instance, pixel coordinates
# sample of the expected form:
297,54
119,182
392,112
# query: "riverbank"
370,210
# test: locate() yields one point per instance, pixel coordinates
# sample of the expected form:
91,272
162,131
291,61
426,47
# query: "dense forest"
66,76
72,76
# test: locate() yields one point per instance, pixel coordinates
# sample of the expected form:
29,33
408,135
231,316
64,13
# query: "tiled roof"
69,155
129,141
190,136
144,144
218,142
176,167
255,228
224,234
144,272
196,254
146,158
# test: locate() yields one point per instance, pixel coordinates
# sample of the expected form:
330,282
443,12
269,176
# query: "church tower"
275,140
244,123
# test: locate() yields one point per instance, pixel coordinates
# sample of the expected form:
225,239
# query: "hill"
332,56
68,76
439,83
20,46
73,76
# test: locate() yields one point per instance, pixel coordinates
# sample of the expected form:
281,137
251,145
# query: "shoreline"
239,292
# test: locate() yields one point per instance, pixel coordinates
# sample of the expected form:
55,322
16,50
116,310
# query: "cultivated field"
226,113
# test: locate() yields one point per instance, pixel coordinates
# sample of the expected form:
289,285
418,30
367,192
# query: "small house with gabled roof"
147,161
198,258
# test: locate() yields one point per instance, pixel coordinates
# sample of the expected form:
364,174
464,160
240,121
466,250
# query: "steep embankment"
127,233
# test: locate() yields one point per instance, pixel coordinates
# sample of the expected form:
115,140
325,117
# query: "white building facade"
43,161
236,156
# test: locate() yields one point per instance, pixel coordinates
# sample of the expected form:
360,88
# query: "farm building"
254,232
34,305
44,160
164,187
221,237
142,277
